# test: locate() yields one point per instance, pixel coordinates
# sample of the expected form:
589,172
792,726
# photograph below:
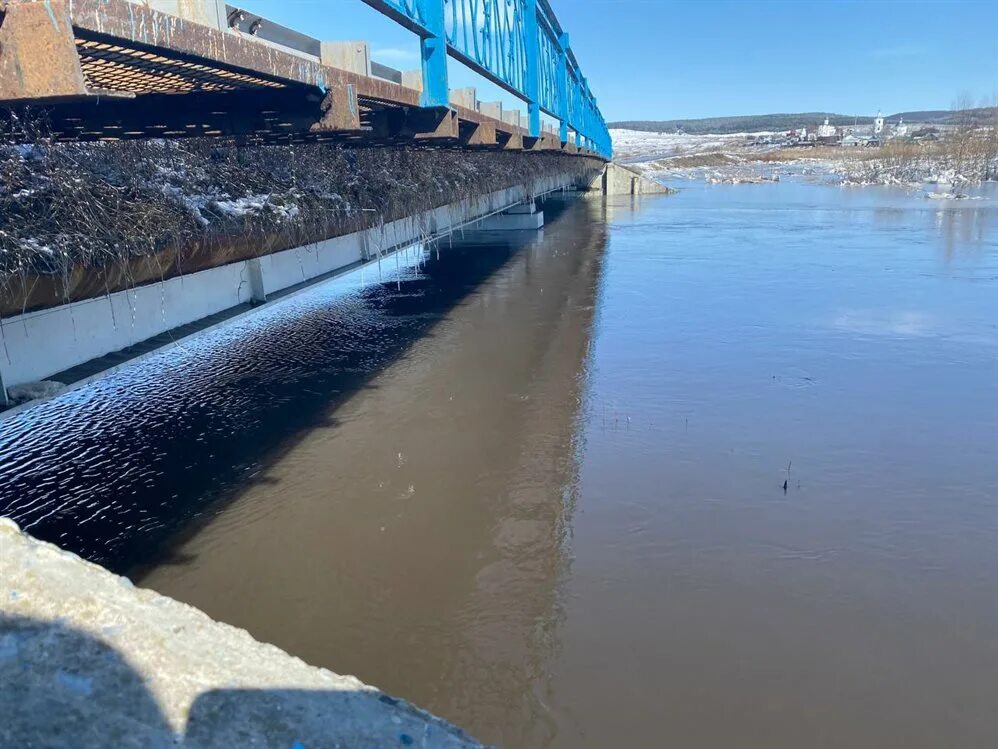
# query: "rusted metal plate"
531,143
550,142
407,123
38,60
378,91
340,110
478,134
511,141
434,124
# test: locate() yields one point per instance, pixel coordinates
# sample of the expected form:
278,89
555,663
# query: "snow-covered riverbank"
757,157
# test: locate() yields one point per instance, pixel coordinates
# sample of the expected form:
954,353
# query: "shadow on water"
421,543
112,470
74,689
379,478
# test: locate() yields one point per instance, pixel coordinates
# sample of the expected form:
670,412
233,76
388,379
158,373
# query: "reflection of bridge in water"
309,478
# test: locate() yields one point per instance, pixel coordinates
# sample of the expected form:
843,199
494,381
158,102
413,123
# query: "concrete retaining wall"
87,660
36,345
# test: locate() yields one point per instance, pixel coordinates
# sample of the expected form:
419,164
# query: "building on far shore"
828,134
871,134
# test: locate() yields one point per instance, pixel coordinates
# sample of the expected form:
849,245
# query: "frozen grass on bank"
66,207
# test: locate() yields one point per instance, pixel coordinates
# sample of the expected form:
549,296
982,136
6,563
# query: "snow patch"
33,391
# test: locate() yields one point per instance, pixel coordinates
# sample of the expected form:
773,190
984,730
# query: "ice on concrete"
87,660
30,391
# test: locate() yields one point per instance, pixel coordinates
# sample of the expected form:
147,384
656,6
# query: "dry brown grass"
131,212
817,152
972,154
709,158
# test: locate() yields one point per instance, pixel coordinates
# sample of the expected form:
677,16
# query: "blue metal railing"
517,44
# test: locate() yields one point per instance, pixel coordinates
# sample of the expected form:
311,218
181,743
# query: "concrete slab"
512,222
465,97
620,180
354,56
89,661
207,12
413,79
491,109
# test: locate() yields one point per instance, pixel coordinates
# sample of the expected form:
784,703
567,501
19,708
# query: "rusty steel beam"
38,60
340,110
412,123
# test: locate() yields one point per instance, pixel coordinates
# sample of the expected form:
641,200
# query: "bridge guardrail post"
563,92
532,45
433,51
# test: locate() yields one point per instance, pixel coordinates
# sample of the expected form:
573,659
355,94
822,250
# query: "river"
712,469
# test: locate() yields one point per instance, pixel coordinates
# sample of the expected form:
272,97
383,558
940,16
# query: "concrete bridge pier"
616,179
523,217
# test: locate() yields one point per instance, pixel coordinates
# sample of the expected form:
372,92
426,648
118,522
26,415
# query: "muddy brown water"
537,485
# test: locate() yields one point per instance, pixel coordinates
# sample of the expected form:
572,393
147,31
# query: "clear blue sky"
667,59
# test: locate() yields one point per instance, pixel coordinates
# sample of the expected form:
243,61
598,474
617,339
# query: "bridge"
170,167
112,69
99,74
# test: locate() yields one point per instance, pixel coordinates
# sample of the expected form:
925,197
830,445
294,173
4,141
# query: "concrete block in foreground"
87,660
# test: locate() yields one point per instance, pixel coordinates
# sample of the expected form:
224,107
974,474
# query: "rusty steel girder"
38,59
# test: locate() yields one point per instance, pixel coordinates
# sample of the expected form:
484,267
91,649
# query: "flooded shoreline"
707,469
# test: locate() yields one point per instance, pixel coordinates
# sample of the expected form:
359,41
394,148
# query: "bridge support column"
523,217
619,180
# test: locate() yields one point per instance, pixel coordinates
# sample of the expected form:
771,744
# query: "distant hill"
780,122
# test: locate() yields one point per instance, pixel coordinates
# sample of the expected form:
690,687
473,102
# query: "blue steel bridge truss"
517,44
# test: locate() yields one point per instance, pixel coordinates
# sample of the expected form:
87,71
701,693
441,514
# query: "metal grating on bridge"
112,67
